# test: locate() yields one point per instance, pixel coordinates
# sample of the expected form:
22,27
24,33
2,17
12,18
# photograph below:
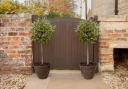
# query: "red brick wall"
15,44
113,34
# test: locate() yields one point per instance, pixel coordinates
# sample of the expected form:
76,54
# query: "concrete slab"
65,79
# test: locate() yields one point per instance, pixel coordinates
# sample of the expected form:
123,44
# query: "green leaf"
87,31
42,31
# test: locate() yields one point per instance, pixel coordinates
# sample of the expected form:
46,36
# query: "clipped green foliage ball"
42,31
87,31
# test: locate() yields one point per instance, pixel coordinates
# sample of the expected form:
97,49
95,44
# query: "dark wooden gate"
64,50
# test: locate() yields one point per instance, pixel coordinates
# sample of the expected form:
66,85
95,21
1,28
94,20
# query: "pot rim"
90,64
44,64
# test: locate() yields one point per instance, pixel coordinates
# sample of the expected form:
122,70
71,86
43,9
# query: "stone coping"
113,18
16,15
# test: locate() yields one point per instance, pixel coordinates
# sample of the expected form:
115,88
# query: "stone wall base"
103,67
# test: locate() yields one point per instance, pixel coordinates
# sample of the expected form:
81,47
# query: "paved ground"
64,79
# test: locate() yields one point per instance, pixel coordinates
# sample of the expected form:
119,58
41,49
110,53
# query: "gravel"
12,81
117,79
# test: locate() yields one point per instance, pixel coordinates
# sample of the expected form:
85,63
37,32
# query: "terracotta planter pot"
88,71
42,70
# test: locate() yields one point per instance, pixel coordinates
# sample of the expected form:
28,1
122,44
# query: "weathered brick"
26,56
24,41
13,46
20,29
13,39
106,60
5,72
15,68
25,68
13,55
103,46
29,46
1,24
106,31
23,33
104,38
22,24
105,54
119,31
6,68
122,39
4,43
126,35
5,20
114,35
21,51
12,33
10,51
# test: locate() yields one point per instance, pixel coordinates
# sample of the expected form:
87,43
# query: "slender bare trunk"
87,53
41,53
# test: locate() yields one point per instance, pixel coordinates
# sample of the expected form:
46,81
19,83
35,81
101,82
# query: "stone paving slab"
65,79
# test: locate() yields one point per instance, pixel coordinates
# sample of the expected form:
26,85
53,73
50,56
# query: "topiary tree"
42,32
88,32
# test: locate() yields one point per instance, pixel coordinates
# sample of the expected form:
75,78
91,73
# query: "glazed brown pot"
42,70
82,64
88,71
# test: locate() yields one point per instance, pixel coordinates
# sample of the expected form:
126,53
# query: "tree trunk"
41,54
87,53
